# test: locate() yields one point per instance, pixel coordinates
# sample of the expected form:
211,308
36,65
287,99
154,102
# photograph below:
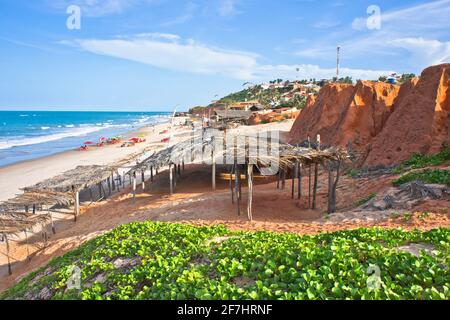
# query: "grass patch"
365,199
180,262
427,176
418,161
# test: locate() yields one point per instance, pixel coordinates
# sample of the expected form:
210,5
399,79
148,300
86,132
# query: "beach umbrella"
134,139
103,139
88,142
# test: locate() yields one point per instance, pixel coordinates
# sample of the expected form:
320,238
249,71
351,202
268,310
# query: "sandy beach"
26,173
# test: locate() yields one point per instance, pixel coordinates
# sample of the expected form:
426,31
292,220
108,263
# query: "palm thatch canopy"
13,223
73,180
39,197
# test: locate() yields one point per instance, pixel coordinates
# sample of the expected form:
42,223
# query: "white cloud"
173,53
227,8
416,36
433,51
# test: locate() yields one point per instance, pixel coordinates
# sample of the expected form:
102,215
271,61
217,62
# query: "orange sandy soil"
194,203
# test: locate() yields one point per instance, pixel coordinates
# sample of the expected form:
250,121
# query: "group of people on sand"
114,140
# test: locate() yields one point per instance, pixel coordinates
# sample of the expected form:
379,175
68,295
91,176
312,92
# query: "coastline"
18,175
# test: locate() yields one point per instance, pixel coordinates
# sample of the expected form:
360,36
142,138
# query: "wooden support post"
238,196
119,181
91,196
294,176
283,179
309,191
250,191
77,204
330,188
143,179
213,170
316,177
34,208
278,178
299,196
134,185
151,173
99,185
182,164
108,181
171,179
113,182
7,254
26,209
231,184
179,170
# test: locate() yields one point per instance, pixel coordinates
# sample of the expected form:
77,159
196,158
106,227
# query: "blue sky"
157,54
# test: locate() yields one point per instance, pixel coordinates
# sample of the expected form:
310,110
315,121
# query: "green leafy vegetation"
428,176
150,260
418,161
365,199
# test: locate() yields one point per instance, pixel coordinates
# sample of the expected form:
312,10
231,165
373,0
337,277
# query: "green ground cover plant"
436,176
148,260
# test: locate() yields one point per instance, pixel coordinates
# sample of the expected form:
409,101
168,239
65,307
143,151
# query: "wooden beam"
213,170
309,192
231,184
143,179
238,197
151,173
299,196
171,179
294,176
134,185
7,254
316,177
77,204
250,191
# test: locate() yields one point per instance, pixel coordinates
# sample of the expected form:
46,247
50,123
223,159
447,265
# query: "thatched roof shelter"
74,180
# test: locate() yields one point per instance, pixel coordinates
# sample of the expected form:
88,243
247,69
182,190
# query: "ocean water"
26,135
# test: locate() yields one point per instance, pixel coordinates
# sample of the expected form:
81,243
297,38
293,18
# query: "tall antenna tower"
338,61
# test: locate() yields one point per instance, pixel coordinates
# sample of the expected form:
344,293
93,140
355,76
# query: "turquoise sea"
26,135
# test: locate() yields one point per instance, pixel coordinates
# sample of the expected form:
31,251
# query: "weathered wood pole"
332,194
182,164
134,186
213,170
34,208
278,178
108,181
7,254
309,192
250,191
299,196
171,179
294,176
99,185
113,182
151,173
231,183
26,209
179,170
143,179
238,196
77,204
316,177
330,187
